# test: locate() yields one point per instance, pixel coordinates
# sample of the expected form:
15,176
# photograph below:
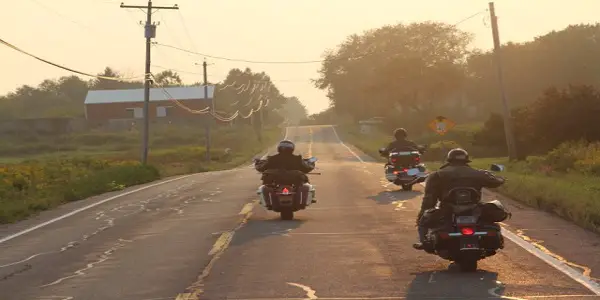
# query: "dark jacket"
401,145
288,162
450,176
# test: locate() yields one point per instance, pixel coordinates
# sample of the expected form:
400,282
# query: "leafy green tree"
559,58
168,78
417,68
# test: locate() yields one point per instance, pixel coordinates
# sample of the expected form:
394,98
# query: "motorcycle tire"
467,265
407,187
287,215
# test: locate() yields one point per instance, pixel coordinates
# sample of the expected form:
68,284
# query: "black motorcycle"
404,167
471,233
285,193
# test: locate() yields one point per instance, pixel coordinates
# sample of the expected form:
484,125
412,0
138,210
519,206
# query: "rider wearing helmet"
456,172
286,160
401,141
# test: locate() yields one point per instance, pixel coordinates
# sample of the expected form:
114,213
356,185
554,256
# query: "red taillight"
417,159
405,170
394,159
467,231
285,191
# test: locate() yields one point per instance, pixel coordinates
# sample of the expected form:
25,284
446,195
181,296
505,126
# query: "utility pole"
210,109
150,33
508,131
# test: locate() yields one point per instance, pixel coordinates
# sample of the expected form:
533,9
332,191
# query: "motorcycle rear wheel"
467,265
287,214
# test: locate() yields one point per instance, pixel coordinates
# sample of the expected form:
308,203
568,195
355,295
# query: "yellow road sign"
441,125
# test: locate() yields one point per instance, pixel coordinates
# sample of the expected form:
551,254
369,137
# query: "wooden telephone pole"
150,33
508,131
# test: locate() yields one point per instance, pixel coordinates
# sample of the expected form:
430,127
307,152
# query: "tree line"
410,73
64,97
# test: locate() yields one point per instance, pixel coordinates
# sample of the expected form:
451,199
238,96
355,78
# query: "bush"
556,117
578,157
30,187
438,151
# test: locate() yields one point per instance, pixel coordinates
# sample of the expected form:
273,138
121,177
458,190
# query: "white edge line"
555,263
23,232
30,229
342,143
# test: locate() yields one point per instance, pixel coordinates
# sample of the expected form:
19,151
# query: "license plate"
471,243
412,172
285,200
466,220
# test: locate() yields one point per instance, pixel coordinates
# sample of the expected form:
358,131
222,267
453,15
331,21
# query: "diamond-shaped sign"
441,125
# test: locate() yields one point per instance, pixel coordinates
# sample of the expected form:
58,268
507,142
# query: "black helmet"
458,155
400,133
286,146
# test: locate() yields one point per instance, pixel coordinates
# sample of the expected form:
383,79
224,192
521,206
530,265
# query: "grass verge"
30,186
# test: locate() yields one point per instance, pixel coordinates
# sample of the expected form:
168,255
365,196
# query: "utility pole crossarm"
145,6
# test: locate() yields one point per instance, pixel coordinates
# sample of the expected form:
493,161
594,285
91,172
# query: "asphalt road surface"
204,237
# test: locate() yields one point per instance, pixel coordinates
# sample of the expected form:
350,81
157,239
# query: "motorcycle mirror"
497,168
381,150
256,158
312,159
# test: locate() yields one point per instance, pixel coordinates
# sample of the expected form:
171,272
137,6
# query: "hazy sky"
89,35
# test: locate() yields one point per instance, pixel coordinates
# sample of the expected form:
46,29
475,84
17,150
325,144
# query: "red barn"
104,105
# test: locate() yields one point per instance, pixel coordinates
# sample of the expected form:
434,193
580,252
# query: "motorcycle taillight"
417,159
467,231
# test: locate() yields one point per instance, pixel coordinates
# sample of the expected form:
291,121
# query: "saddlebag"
493,211
432,218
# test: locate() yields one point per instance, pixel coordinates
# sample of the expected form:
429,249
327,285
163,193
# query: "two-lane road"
203,237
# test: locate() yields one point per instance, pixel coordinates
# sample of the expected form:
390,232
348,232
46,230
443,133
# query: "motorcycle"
473,234
285,195
404,168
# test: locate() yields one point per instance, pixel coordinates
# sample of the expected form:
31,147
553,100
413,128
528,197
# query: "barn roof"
156,94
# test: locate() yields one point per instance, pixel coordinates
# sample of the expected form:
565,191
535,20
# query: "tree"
557,116
110,84
168,78
293,110
243,91
557,59
419,67
64,97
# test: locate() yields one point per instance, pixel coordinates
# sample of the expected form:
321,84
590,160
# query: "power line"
305,61
257,80
66,68
63,16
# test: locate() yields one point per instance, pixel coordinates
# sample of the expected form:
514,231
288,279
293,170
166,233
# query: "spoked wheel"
287,214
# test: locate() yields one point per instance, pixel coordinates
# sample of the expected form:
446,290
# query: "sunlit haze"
89,35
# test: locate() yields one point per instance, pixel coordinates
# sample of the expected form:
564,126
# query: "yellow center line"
194,291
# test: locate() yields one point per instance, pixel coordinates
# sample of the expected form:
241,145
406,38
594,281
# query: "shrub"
438,151
33,186
578,156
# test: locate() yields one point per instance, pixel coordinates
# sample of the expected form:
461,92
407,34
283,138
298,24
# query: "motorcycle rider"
285,160
401,141
456,172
